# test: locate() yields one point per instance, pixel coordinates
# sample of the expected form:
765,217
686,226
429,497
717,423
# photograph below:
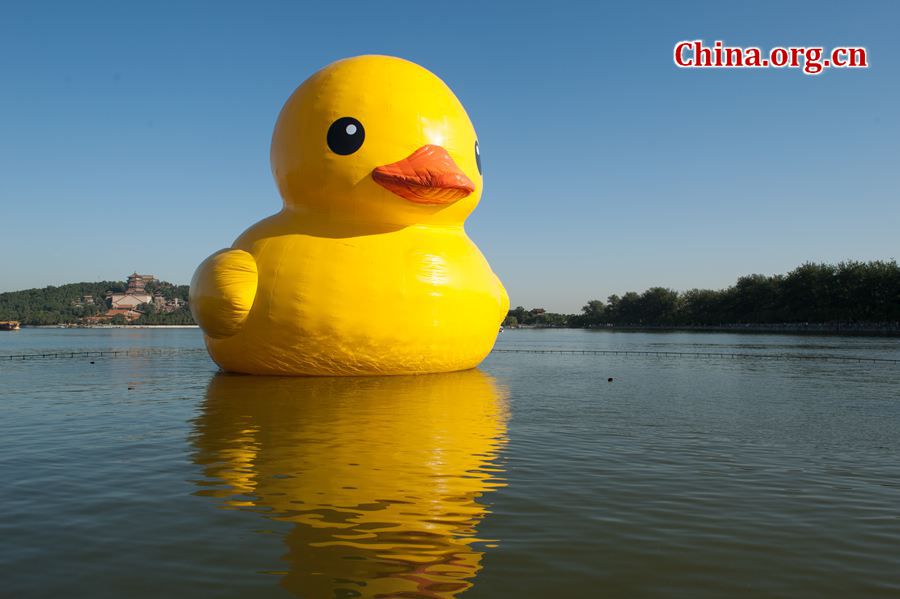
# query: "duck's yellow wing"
222,292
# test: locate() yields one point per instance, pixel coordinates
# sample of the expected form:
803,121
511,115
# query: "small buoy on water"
92,362
131,388
609,380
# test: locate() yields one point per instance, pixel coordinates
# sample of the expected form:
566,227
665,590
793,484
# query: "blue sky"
135,136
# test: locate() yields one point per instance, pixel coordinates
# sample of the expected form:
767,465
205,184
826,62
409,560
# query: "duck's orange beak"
427,176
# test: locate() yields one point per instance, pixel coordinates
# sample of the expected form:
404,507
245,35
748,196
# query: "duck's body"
370,274
413,300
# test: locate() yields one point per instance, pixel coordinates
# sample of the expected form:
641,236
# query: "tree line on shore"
848,292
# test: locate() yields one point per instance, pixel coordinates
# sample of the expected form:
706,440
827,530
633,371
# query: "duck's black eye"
478,157
346,135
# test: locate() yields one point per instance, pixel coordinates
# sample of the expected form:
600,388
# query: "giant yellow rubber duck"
367,269
384,480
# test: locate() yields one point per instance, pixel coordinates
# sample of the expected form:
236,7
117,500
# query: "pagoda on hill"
135,293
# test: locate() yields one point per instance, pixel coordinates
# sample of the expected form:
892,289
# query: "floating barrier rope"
679,354
601,352
101,354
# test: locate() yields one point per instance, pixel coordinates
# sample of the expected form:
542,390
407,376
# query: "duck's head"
377,139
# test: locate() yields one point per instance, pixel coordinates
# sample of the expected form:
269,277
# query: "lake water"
534,476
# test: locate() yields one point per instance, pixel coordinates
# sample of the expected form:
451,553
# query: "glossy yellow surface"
383,477
223,290
352,277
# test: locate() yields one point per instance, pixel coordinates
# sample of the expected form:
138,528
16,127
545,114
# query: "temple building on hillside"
135,293
127,303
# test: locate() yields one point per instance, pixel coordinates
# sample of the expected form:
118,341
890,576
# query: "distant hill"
65,304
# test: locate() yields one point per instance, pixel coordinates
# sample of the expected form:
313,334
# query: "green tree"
658,306
521,314
594,313
628,310
702,307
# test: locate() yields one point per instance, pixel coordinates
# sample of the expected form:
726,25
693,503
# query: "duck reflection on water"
382,477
